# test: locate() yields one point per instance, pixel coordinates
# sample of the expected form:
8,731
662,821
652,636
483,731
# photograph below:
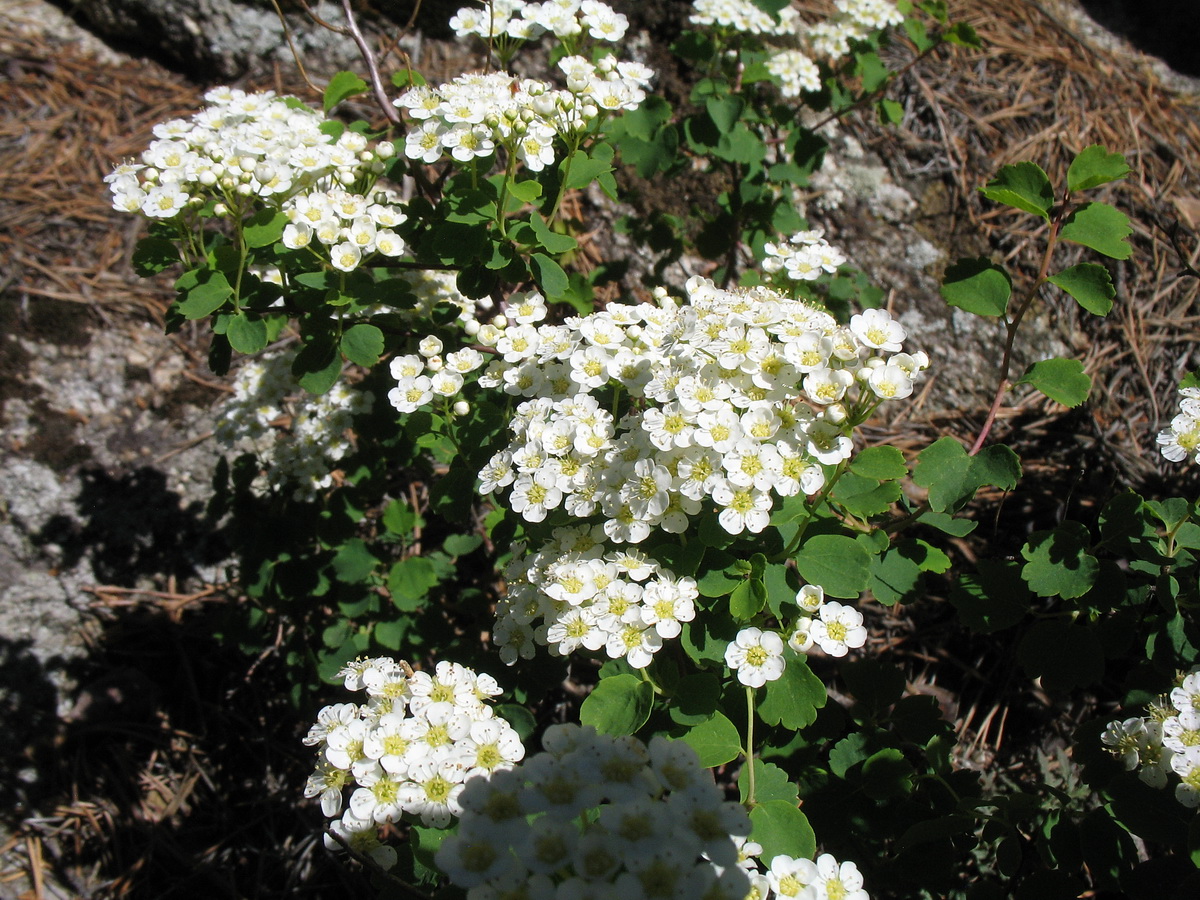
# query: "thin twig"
403,886
381,97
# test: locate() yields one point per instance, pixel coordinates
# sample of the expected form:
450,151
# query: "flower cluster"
303,453
805,256
467,118
409,749
570,593
648,415
756,656
1182,439
598,817
520,21
805,879
832,627
240,146
349,227
1166,740
854,20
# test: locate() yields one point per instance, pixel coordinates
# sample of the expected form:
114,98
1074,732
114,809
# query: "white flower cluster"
468,117
805,879
1182,439
240,146
756,656
517,20
349,227
303,453
719,396
571,593
409,749
598,818
830,39
1167,740
805,256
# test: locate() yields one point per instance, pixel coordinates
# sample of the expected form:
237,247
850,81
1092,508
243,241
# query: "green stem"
572,147
749,749
1011,327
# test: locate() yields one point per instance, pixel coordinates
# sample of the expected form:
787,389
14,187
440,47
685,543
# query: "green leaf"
341,86
154,254
1058,562
880,463
747,599
246,335
1062,380
993,599
783,830
741,145
836,562
409,582
362,344
770,783
408,78
391,634
695,699
725,111
952,477
948,524
887,774
550,276
354,562
263,228
870,68
978,286
793,700
896,574
1063,655
317,365
715,740
551,241
1095,166
1101,227
1023,186
619,704
585,169
457,545
399,518
525,191
1090,285
206,291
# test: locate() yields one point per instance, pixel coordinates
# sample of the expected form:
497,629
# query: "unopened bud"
461,408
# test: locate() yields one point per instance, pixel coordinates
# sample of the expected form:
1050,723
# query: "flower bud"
221,210
461,408
835,413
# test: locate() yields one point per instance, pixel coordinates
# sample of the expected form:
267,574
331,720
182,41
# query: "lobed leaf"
1095,166
1062,380
1101,227
1090,285
1023,186
978,286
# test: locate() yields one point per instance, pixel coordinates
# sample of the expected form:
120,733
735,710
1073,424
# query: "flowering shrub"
656,491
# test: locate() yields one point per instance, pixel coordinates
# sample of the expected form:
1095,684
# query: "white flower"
838,629
756,656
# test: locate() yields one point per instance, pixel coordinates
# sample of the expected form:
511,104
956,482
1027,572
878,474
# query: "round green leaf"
1023,186
620,704
782,830
246,335
1101,227
1062,380
836,562
362,344
978,286
1089,284
1095,166
716,741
